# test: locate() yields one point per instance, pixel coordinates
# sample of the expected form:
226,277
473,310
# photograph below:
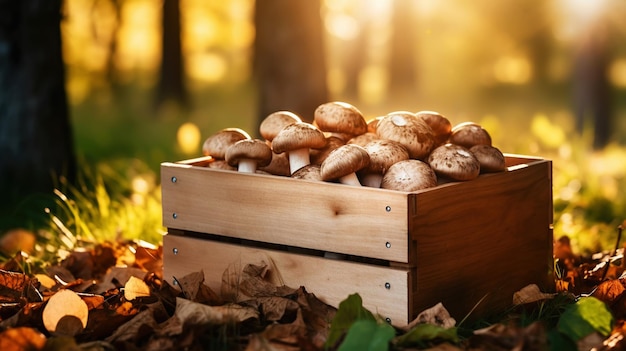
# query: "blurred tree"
289,57
35,134
402,64
171,83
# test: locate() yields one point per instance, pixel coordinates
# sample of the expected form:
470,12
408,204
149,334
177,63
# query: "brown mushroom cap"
221,164
454,162
405,128
363,139
343,162
248,154
490,158
274,122
216,144
372,124
278,166
308,172
296,139
319,155
468,134
409,175
340,117
383,153
441,126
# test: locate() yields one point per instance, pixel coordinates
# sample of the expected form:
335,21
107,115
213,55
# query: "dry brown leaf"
275,308
136,328
117,277
193,313
46,281
530,293
250,276
437,315
135,288
609,291
22,339
61,312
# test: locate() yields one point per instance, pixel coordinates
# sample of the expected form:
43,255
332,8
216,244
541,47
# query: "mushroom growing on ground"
490,158
296,139
274,122
409,175
383,153
248,154
441,126
412,132
341,119
343,163
468,134
454,162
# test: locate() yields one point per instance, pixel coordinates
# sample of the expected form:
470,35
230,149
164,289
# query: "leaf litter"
112,296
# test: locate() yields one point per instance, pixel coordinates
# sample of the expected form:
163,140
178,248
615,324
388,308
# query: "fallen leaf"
135,288
22,339
61,311
193,313
530,293
437,315
609,291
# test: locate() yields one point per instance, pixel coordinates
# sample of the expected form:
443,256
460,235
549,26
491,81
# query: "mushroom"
441,126
248,154
308,172
216,144
372,124
343,163
412,132
490,158
274,122
454,162
278,166
296,139
383,153
363,139
319,155
409,175
340,118
468,134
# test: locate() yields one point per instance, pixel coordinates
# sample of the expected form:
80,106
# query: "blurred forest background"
148,80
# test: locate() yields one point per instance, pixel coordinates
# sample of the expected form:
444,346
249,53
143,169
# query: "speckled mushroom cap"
297,136
363,139
454,162
344,160
441,126
384,153
490,158
319,155
340,117
249,149
409,175
274,122
372,124
216,144
278,166
308,172
405,128
468,134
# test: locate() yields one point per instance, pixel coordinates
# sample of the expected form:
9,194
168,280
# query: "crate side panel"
316,215
330,280
487,237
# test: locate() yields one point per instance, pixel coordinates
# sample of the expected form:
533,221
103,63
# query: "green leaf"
368,335
350,310
584,317
422,333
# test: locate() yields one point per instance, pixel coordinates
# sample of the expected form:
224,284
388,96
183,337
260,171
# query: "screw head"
388,208
174,179
388,320
387,285
388,245
175,251
174,215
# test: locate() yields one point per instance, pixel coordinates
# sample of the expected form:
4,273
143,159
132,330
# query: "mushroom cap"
384,153
409,175
454,162
372,124
216,144
249,149
308,172
319,155
441,126
490,158
344,160
298,135
339,117
363,139
274,122
468,134
405,128
221,164
279,165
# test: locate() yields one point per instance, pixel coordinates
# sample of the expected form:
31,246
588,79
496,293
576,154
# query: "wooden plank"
330,280
317,215
490,236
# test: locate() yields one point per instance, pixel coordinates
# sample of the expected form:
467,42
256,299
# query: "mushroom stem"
298,158
372,180
350,179
246,166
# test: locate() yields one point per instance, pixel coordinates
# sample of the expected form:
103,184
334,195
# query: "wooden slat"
330,280
317,215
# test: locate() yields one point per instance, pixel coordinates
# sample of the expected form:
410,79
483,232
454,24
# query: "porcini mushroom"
383,153
274,122
340,118
468,134
441,126
296,139
409,175
454,162
248,154
405,128
216,144
343,163
490,158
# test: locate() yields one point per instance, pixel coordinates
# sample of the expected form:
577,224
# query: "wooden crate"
458,243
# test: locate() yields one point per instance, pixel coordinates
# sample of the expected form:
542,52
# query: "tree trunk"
289,57
35,135
402,64
172,82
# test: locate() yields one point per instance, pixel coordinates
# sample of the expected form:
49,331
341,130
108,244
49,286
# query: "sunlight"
138,36
342,26
548,133
617,73
373,84
188,138
206,67
512,70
